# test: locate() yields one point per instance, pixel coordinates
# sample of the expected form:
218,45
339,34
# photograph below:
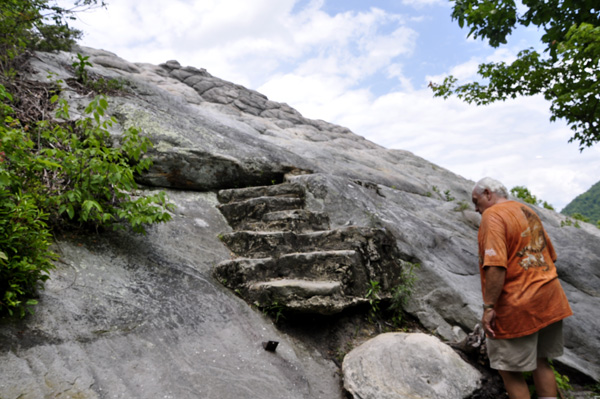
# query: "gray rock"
141,317
126,315
399,365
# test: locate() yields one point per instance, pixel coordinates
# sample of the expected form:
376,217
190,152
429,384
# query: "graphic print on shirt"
532,254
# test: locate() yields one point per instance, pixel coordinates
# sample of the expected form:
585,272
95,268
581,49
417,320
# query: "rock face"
126,316
288,256
398,365
140,317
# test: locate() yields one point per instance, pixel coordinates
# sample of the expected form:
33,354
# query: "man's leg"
544,380
515,384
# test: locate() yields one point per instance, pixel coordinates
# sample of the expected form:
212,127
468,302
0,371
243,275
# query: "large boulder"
400,365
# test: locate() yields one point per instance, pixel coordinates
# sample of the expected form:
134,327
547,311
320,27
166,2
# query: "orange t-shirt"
511,235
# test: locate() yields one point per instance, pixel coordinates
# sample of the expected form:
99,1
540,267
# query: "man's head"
488,192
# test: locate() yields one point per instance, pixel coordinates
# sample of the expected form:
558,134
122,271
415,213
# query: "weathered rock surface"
297,262
130,315
140,317
399,365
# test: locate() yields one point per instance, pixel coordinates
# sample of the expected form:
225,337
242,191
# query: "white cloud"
423,3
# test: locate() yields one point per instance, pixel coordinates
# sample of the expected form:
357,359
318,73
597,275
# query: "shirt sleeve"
492,243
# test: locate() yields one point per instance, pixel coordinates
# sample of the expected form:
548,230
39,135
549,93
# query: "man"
523,301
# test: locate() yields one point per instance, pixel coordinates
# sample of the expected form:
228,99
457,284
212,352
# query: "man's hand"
488,321
494,281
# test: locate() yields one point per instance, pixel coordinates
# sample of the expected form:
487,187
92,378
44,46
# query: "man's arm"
494,281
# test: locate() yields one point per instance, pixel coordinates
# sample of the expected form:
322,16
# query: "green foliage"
586,204
462,206
36,25
402,292
562,381
274,310
446,196
546,205
395,303
25,258
372,296
579,216
567,74
80,66
568,222
523,193
54,174
96,84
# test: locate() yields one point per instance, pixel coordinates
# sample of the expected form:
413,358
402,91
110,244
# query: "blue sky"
364,65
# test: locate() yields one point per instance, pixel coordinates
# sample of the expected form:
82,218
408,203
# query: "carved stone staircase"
287,255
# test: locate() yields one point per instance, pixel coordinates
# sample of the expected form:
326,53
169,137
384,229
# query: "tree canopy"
586,204
566,73
37,25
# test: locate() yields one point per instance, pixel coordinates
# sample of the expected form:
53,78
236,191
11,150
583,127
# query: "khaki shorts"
521,354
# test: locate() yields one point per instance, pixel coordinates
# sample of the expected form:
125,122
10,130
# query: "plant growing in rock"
96,84
448,196
579,216
402,292
462,206
372,296
60,175
523,193
274,310
80,66
569,222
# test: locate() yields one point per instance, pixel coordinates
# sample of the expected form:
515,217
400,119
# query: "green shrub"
25,258
579,216
98,185
403,291
523,193
56,174
36,25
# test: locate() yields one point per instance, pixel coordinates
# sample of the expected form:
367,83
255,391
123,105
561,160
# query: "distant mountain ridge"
586,204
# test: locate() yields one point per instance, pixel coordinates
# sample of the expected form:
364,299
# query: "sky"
365,65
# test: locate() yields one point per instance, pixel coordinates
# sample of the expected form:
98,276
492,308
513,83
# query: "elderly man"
523,301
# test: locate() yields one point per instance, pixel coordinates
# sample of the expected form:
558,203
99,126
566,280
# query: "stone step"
321,265
295,288
254,209
323,305
242,194
306,296
296,220
262,244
